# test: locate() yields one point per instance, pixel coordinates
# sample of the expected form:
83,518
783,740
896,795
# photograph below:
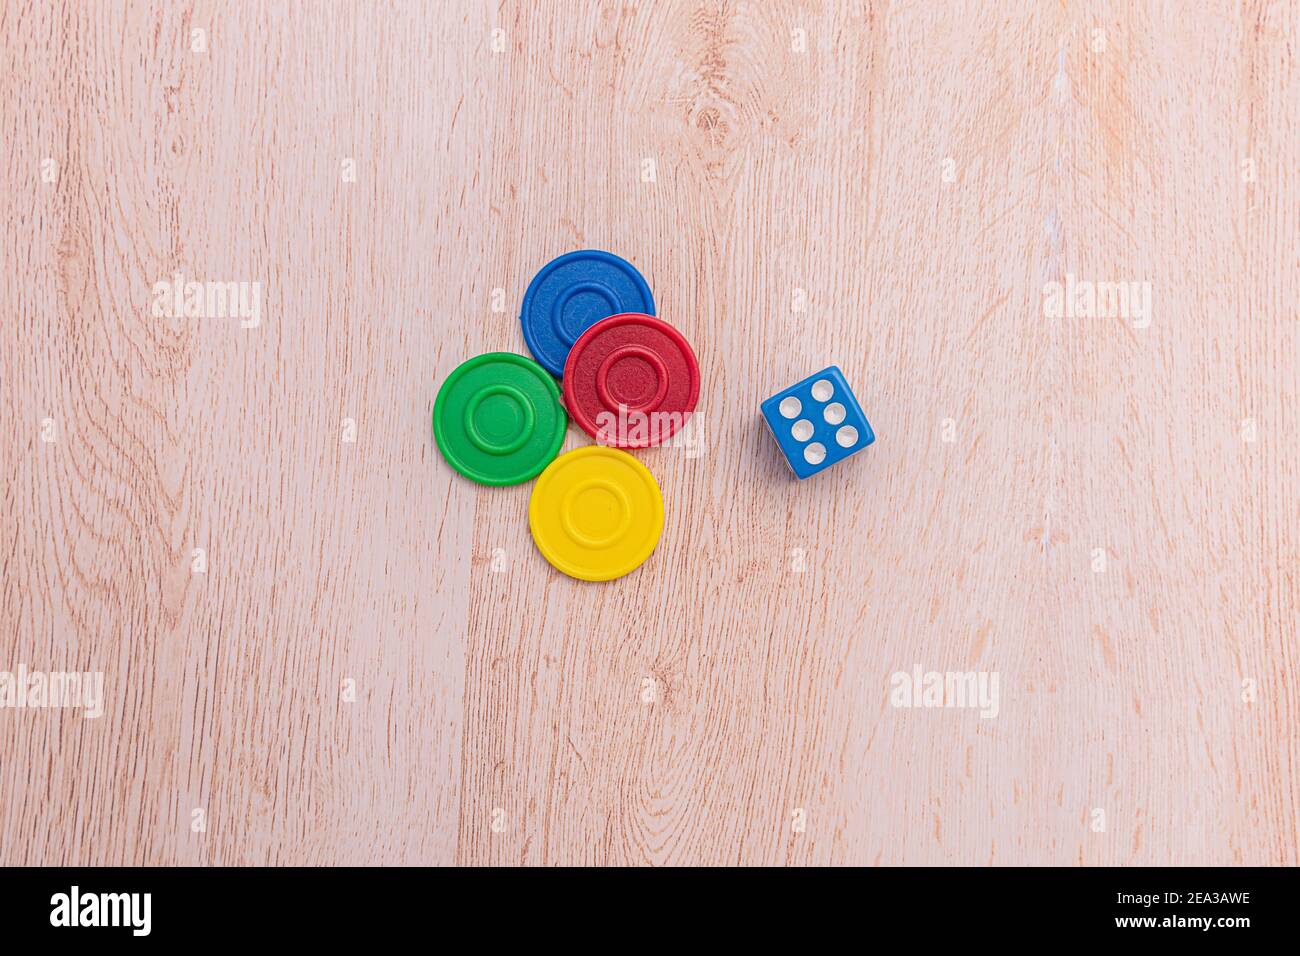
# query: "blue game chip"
574,292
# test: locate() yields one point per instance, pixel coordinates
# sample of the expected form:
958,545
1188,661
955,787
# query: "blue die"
817,422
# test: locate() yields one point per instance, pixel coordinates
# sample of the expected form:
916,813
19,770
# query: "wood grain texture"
693,711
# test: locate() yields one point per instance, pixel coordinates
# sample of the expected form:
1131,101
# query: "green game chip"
498,419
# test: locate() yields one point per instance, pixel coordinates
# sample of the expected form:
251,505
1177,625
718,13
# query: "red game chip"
631,381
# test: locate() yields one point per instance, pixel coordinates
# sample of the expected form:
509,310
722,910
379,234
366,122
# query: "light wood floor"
374,665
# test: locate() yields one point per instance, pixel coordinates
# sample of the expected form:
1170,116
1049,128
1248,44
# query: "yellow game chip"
596,513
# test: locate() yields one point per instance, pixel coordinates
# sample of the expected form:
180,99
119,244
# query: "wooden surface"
700,709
